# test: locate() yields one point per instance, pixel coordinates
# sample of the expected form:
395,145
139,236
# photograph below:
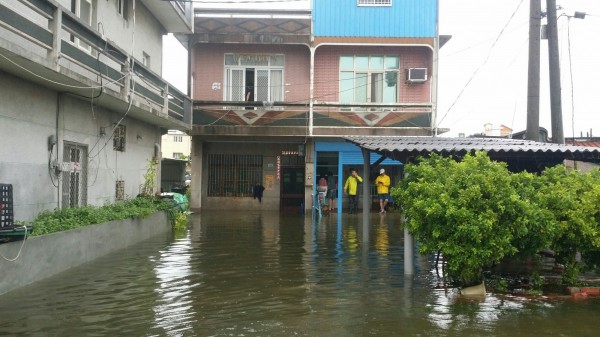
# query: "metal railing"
60,40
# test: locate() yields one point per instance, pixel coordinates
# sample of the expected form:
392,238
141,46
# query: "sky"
483,68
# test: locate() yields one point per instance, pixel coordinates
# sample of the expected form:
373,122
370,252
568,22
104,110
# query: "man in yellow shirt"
351,187
383,189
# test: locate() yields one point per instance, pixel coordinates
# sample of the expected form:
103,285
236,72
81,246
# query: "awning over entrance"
519,154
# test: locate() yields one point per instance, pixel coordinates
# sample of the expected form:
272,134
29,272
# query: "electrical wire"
481,65
20,248
571,77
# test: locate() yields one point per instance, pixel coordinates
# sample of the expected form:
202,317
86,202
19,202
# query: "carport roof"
519,153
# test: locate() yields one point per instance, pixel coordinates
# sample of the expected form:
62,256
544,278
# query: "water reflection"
266,274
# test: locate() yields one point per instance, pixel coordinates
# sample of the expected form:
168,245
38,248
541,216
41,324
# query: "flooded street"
266,274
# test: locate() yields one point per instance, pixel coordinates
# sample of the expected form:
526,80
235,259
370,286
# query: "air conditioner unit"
416,75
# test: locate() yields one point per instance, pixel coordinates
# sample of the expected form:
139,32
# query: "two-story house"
275,92
84,104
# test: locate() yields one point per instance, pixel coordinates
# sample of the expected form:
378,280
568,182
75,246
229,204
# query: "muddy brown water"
266,274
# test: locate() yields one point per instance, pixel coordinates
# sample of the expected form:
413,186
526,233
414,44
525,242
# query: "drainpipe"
312,91
434,75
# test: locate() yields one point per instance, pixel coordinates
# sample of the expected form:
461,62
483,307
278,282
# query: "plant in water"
472,211
149,178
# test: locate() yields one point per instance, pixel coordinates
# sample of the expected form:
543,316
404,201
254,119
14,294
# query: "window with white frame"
83,10
369,78
374,2
253,77
177,155
177,139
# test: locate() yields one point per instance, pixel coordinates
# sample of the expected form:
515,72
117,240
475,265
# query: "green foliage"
180,221
149,178
476,213
70,218
573,198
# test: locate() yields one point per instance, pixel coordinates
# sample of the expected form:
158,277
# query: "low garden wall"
47,255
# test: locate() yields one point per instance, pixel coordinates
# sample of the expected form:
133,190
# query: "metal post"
366,202
554,64
409,268
533,74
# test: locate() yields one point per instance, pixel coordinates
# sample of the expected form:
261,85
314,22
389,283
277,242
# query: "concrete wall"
143,36
47,255
30,114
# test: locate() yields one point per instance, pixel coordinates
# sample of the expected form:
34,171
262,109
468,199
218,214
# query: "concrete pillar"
56,29
196,185
409,268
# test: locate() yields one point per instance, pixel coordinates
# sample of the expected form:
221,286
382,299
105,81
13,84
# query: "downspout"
434,85
312,91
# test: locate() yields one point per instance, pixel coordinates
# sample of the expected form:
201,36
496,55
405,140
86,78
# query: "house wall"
170,146
30,114
327,73
405,18
208,68
143,36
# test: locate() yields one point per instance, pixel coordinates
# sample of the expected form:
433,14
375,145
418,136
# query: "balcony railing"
55,38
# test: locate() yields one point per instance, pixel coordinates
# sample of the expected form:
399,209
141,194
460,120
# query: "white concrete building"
84,104
176,145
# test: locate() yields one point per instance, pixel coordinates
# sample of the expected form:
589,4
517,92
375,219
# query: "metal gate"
74,175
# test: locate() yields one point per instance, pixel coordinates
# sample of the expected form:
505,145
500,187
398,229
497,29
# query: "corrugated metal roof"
403,148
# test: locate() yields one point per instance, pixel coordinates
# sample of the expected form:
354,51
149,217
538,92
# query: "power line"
481,65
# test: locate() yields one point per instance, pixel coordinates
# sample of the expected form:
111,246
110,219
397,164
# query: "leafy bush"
70,218
573,198
476,213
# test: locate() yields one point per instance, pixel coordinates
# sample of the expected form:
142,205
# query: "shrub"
70,218
474,212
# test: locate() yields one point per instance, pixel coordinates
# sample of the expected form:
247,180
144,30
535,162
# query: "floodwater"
266,274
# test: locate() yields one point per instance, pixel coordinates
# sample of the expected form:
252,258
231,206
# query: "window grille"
74,175
120,190
119,138
233,175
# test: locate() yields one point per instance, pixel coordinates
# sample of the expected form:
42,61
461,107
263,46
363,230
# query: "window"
74,175
253,77
177,155
368,79
83,10
177,139
233,175
146,60
374,2
120,190
119,138
122,8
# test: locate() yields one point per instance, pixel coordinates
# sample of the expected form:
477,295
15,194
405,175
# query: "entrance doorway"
292,189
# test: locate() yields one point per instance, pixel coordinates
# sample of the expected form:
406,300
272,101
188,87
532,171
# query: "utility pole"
554,65
533,72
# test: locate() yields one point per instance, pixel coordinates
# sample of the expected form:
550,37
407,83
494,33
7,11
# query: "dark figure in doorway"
257,192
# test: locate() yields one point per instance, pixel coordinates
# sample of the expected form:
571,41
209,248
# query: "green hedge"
70,218
476,213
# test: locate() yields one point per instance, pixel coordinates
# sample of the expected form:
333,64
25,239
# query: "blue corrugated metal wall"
405,18
350,153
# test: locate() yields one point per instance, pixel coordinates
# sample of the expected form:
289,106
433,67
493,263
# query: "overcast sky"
483,68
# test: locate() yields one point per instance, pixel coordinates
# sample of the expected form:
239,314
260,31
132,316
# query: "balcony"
45,44
295,119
